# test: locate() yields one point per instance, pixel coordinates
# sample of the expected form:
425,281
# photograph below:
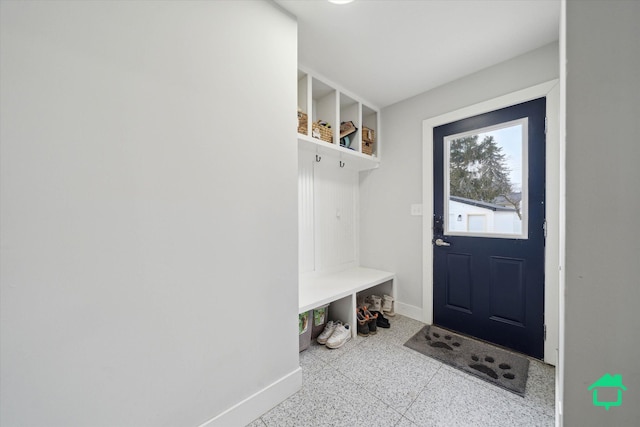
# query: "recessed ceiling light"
340,1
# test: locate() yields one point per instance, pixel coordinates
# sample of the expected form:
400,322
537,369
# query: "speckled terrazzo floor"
377,381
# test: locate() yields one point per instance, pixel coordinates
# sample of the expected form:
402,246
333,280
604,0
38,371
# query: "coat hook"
341,164
318,158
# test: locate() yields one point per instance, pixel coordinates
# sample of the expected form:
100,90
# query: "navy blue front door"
488,226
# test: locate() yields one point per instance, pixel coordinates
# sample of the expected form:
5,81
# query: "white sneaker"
340,336
387,305
328,331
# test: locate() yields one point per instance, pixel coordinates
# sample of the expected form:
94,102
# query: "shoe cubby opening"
380,290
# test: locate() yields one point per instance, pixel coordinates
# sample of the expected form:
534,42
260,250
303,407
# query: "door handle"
440,242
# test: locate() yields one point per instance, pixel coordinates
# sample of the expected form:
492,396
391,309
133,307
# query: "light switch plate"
416,210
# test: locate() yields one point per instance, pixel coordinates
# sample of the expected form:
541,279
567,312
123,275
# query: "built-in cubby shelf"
323,101
328,198
342,290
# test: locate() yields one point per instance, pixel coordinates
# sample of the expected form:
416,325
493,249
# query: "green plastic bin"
304,329
320,315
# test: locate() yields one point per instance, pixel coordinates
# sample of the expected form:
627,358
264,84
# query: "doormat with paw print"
493,364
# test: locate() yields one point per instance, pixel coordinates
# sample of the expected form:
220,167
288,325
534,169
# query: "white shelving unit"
325,101
328,202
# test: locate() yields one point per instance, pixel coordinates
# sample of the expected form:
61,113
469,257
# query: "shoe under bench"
342,290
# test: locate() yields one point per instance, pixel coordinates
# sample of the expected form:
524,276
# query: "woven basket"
302,123
325,133
368,138
368,134
367,147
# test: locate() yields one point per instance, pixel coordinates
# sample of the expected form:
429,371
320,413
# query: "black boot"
381,321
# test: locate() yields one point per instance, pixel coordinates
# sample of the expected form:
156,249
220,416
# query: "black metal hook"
318,158
341,164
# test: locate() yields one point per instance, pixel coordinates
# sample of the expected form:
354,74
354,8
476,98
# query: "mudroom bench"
342,289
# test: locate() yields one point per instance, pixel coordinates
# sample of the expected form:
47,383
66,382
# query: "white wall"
602,333
328,206
149,221
306,213
391,239
336,192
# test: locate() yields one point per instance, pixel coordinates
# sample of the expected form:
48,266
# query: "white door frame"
551,90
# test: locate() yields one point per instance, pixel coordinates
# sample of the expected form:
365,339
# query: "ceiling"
385,51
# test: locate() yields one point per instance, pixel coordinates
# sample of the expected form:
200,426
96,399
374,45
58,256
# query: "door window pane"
486,181
477,223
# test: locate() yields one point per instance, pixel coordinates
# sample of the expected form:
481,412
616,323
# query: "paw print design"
438,341
486,366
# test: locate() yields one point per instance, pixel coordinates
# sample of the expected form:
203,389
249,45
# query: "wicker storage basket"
367,147
368,138
322,132
368,134
302,123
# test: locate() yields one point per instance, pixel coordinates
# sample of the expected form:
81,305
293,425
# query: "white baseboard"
409,310
257,404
